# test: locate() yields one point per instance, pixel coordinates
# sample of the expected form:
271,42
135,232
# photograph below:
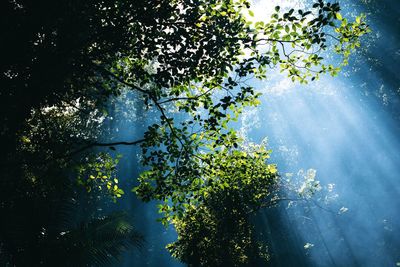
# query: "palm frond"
102,241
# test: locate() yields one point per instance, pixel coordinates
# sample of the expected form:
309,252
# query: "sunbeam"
352,145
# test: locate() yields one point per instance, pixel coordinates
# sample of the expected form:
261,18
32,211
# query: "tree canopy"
65,63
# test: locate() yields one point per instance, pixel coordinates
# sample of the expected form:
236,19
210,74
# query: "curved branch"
98,144
186,98
119,79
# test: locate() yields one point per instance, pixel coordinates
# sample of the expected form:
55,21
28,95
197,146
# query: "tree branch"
97,144
186,98
119,79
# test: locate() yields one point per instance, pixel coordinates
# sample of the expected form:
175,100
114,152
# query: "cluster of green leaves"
51,133
349,34
212,217
295,39
241,169
208,239
99,173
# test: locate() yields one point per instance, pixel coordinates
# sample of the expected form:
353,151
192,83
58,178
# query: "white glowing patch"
250,120
343,210
263,9
308,246
282,86
330,187
309,186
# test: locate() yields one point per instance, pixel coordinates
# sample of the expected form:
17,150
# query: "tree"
214,228
65,61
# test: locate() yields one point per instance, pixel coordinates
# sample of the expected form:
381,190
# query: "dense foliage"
214,229
65,64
